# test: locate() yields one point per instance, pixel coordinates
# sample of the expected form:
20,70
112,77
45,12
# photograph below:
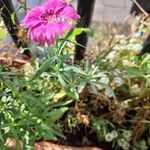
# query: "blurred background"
104,11
110,17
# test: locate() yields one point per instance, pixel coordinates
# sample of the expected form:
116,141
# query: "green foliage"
128,74
101,127
3,31
32,102
26,112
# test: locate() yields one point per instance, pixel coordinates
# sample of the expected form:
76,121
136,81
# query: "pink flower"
49,21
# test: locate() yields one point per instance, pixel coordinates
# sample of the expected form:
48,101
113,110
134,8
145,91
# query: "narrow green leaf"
78,31
3,33
56,114
43,68
13,15
75,69
134,72
60,104
1,137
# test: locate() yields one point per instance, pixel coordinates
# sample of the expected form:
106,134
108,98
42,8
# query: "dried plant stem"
139,6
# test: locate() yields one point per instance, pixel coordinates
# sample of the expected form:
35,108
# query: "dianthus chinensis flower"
49,21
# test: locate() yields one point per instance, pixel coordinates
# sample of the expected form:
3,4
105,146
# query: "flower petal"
49,21
33,17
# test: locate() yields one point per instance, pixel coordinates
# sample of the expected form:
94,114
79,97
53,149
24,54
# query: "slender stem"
139,6
6,12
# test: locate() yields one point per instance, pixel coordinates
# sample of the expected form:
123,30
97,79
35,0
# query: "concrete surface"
104,11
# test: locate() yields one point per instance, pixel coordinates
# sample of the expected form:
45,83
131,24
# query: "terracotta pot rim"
45,145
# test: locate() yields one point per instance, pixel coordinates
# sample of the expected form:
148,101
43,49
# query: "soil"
100,107
82,113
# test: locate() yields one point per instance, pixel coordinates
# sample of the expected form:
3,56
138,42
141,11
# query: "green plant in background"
129,75
107,132
102,127
3,31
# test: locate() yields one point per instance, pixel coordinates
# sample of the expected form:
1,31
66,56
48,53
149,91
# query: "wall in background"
110,10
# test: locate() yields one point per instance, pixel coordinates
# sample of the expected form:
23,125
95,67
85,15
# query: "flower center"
50,16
